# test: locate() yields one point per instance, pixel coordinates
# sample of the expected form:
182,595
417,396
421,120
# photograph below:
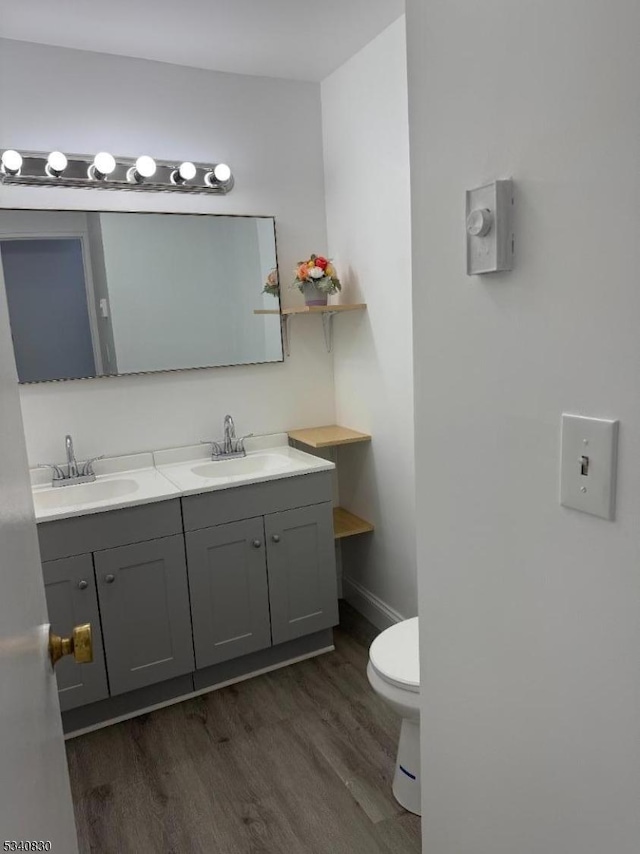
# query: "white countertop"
157,476
193,472
121,482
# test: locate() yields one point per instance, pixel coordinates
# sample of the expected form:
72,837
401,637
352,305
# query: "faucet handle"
58,472
216,447
86,468
237,443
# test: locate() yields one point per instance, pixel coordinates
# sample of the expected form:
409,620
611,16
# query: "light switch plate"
489,218
588,467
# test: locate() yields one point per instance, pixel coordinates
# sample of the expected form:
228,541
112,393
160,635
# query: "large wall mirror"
94,293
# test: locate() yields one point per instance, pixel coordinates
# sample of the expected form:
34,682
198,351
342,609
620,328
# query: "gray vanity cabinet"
144,602
190,591
229,592
71,601
275,569
302,575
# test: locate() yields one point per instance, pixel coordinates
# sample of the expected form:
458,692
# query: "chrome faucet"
229,434
72,465
231,446
73,472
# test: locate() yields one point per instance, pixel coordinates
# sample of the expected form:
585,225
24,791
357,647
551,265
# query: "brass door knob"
79,645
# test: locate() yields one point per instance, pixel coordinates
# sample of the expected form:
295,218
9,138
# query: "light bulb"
187,171
103,165
11,162
56,164
146,166
222,172
184,172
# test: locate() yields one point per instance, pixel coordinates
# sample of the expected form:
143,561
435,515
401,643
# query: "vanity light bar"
104,171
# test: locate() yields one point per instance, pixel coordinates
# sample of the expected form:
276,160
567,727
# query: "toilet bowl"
394,674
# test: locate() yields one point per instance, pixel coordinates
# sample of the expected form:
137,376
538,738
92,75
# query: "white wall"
366,153
530,613
84,102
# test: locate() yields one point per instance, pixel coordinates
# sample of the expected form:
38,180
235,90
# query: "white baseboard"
370,606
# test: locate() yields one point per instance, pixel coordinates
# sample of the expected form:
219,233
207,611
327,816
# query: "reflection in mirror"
93,293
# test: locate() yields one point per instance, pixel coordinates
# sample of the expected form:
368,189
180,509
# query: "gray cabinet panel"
144,601
302,572
229,593
70,588
257,499
111,528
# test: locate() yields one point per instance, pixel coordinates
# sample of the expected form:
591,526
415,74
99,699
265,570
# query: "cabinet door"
229,594
70,587
302,571
144,602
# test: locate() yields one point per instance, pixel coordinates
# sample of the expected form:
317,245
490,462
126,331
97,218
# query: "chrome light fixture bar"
105,172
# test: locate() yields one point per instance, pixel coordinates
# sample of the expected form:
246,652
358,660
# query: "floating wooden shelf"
347,524
328,437
327,312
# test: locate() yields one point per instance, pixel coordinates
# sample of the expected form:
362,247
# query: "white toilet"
394,674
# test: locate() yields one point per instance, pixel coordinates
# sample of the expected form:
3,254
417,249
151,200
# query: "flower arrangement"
319,273
272,285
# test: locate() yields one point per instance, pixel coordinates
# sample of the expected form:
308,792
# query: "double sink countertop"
158,475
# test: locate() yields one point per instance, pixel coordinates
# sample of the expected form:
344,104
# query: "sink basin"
249,466
192,473
83,493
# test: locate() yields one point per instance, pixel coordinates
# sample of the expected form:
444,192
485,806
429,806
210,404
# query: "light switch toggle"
588,466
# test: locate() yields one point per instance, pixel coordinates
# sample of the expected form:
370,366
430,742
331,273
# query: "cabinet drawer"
109,529
70,588
146,621
257,499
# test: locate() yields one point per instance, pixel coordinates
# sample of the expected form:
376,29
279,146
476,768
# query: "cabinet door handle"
257,544
276,538
110,578
82,585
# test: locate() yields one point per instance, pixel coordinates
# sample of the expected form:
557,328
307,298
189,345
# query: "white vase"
314,296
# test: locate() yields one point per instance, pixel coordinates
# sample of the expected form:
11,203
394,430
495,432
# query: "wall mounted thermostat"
490,238
588,467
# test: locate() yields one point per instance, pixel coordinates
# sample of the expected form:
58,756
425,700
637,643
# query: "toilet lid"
395,654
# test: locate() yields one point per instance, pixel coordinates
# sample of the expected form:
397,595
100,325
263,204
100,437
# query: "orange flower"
302,271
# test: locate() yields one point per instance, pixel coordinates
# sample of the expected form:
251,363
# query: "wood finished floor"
298,761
